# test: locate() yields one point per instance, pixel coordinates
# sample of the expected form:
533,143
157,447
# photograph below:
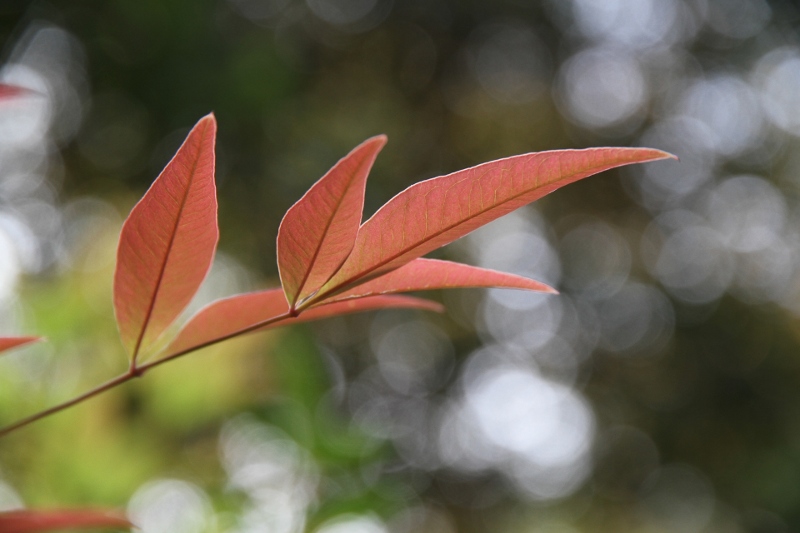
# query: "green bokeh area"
658,393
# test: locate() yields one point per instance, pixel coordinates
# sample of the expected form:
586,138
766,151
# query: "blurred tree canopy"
659,392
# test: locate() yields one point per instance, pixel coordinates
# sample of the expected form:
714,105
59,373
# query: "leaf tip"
210,118
436,307
377,141
9,343
380,138
15,91
661,154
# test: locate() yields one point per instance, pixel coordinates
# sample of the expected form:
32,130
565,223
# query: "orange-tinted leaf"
427,274
318,232
168,242
223,317
7,343
437,211
227,317
29,521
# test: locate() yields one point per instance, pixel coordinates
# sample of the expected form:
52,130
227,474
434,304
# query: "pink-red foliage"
7,343
33,521
437,211
427,274
168,242
12,91
244,313
329,263
318,232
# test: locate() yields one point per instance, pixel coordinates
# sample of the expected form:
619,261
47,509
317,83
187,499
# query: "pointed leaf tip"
168,242
435,212
318,232
657,154
7,343
8,92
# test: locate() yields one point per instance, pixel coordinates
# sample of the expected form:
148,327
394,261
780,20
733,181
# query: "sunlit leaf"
428,274
168,242
224,318
32,521
318,232
7,343
437,211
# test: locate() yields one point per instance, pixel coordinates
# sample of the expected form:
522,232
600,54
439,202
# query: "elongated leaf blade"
30,521
437,211
428,274
168,242
318,232
7,343
227,317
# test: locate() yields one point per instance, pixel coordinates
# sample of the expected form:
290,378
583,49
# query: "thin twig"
135,372
60,407
249,329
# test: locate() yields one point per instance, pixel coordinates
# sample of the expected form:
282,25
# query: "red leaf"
318,232
228,317
168,242
428,274
437,211
7,343
36,521
12,91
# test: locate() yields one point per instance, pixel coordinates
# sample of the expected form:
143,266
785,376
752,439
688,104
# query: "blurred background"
660,392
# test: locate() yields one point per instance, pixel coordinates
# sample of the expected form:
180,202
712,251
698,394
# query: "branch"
249,329
134,372
60,407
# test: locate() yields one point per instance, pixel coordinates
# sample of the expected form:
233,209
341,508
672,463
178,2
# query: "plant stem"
135,371
249,329
60,407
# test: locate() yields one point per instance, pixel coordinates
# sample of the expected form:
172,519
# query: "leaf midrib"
315,255
173,234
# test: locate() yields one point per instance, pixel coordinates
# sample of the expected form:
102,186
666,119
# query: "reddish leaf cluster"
325,254
329,262
326,257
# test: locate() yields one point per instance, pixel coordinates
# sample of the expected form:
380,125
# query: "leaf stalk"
134,371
